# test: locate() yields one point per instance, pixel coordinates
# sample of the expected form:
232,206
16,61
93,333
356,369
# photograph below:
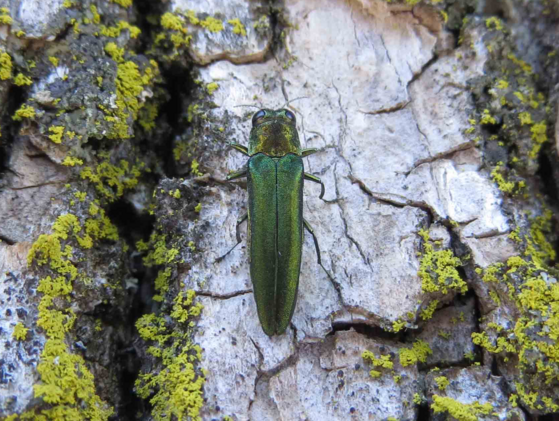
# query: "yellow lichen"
22,80
495,297
176,390
66,383
524,67
486,118
534,335
442,382
502,84
81,195
212,87
112,180
444,335
262,23
71,161
115,31
159,254
494,23
505,186
147,116
438,268
525,118
212,24
183,307
130,84
460,411
427,313
20,332
57,133
123,3
398,325
194,168
5,66
117,54
417,353
5,18
539,137
238,27
173,22
96,15
25,111
384,361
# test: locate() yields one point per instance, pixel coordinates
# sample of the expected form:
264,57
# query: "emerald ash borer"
275,177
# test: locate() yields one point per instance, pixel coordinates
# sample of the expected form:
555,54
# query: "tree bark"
435,127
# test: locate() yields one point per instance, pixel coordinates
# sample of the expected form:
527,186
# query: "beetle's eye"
257,116
290,115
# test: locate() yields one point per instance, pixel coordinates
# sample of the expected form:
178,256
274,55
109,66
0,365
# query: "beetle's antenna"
293,100
246,105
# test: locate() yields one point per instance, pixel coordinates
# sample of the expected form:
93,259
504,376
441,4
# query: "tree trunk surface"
435,125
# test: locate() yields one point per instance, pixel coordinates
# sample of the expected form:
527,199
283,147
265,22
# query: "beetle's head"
274,133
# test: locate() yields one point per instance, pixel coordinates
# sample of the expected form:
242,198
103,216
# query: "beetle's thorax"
276,136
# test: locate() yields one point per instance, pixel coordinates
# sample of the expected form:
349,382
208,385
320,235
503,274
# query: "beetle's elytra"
275,177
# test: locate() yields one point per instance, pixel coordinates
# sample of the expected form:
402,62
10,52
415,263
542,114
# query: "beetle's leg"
314,178
310,230
242,149
237,174
240,220
307,152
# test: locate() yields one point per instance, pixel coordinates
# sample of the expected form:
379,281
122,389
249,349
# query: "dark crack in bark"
440,156
397,107
390,60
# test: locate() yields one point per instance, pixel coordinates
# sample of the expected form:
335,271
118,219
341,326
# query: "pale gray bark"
397,101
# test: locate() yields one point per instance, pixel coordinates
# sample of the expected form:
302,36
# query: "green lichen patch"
238,27
123,3
438,268
509,186
175,388
383,362
212,24
20,332
178,28
5,66
5,18
131,81
147,116
112,180
512,110
175,35
528,338
458,410
25,111
66,384
442,382
159,254
212,87
417,353
22,80
56,133
427,312
115,31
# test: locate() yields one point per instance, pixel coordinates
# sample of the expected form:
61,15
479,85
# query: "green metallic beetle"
275,176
